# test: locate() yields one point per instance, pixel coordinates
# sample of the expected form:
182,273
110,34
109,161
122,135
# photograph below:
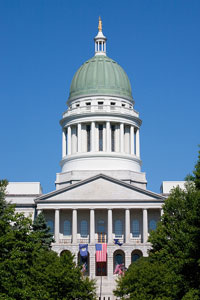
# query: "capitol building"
100,195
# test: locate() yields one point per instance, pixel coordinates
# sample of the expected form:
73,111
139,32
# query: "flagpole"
101,284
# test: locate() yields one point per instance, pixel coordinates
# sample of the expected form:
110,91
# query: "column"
127,259
93,136
145,226
74,226
122,137
96,146
127,139
69,140
92,226
137,143
79,137
57,225
104,137
92,264
108,136
109,263
132,141
117,138
110,240
161,212
63,143
127,226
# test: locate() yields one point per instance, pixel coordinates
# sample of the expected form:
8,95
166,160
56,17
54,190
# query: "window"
135,228
100,137
101,226
67,227
100,102
84,229
50,225
113,138
135,256
88,130
152,225
123,104
118,259
77,104
101,231
112,103
88,103
118,228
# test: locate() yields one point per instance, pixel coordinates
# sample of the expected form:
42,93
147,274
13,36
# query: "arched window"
67,227
118,228
84,229
152,225
50,225
135,255
118,261
135,228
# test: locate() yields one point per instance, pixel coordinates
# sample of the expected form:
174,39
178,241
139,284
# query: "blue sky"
43,43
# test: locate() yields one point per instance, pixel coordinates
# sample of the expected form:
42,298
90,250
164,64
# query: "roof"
100,75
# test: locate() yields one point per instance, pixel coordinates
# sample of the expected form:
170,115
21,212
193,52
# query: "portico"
112,226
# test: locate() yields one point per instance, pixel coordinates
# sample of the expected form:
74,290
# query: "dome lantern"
100,41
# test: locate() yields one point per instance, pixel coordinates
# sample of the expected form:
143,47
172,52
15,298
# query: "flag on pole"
83,248
101,252
116,241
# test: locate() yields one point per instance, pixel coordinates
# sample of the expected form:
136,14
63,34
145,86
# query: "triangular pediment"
101,188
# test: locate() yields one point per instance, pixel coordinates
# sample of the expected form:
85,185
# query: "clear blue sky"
43,42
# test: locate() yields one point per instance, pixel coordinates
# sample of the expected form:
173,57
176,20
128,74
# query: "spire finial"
100,24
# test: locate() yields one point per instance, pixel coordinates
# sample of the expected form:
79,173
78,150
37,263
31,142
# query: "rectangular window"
88,130
100,137
113,138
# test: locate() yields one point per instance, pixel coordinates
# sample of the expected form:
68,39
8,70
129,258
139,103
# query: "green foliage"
197,173
147,280
43,235
172,270
29,269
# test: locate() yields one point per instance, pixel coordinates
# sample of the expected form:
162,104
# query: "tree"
29,269
174,260
43,234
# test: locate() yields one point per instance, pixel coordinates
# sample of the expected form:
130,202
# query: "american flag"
101,252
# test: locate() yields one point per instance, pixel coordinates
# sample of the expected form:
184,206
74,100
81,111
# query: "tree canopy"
29,269
172,270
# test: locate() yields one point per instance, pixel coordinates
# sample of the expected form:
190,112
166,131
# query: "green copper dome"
100,75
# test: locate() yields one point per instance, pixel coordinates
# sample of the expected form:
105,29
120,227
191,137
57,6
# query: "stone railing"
99,109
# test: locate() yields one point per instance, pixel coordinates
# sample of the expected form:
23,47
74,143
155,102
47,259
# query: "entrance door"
101,269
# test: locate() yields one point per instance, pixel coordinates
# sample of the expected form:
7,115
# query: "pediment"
101,188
